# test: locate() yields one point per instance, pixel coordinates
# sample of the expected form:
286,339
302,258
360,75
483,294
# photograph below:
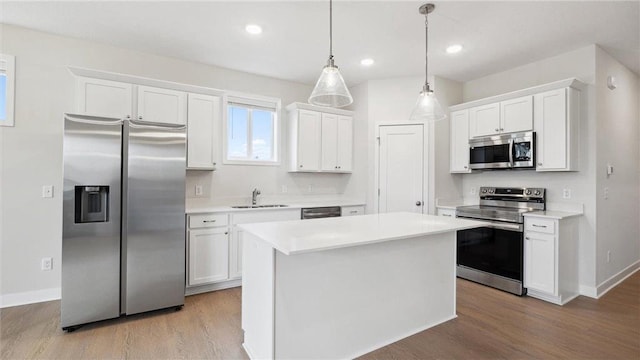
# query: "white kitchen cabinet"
235,254
306,137
320,139
208,260
446,212
106,98
556,122
484,120
337,143
516,115
203,112
159,105
352,210
550,258
459,144
509,116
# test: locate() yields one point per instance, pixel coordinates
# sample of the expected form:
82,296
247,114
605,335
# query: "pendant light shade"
330,89
427,107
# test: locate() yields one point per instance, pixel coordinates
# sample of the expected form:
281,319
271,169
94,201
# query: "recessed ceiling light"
253,29
366,62
454,49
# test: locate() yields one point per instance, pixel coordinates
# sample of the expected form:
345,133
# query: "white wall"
580,64
32,150
391,101
617,144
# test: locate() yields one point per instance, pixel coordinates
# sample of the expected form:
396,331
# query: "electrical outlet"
566,193
310,188
47,191
285,188
46,264
606,193
198,190
473,191
608,255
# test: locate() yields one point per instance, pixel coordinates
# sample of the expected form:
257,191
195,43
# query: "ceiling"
294,44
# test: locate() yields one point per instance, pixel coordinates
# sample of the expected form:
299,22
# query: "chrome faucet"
254,195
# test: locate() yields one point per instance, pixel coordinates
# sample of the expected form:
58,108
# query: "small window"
251,131
7,81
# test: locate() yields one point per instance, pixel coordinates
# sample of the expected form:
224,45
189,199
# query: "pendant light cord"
330,29
426,51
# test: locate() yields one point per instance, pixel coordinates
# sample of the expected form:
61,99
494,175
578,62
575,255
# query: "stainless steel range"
493,255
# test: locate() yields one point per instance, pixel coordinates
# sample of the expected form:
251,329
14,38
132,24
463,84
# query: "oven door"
490,154
496,249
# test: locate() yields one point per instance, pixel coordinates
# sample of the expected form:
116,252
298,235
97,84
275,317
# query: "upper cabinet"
557,126
337,143
116,99
203,112
320,139
514,115
104,98
161,105
459,142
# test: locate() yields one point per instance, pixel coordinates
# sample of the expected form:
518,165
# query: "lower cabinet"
208,256
551,258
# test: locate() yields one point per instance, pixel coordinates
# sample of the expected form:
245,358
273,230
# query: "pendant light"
427,107
330,89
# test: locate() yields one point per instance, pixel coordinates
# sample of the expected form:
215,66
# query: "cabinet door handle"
226,233
418,203
139,117
527,238
449,215
128,116
300,165
465,166
539,164
497,129
208,221
353,212
540,226
501,129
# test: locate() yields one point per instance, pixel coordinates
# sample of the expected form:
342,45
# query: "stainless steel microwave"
509,151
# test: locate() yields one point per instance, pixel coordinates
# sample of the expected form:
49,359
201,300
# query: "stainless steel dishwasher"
320,212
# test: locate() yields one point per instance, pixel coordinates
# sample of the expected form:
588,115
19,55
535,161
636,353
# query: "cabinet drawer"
352,210
208,220
447,212
540,225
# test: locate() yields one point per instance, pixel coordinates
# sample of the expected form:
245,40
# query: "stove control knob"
537,193
527,192
484,191
491,191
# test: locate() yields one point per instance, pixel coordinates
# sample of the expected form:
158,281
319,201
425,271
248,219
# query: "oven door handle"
498,225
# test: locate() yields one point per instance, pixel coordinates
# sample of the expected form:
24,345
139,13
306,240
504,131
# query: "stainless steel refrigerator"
123,246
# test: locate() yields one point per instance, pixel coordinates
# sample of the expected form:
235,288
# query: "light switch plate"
566,193
47,191
198,190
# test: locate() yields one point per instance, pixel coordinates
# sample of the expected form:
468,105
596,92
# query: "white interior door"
401,174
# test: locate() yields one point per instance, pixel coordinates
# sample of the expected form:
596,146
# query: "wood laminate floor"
491,325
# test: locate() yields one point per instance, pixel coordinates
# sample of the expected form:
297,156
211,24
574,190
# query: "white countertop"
295,237
551,214
204,208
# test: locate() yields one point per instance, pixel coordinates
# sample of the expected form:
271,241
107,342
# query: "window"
251,131
7,81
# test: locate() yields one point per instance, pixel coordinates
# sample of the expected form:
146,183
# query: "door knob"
418,203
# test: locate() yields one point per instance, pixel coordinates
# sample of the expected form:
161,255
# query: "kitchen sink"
258,206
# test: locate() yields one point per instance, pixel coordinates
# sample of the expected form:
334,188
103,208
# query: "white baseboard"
29,297
616,279
212,287
588,291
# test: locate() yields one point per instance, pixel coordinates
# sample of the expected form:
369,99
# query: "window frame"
8,67
252,102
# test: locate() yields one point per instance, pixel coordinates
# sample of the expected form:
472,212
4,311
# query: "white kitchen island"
338,288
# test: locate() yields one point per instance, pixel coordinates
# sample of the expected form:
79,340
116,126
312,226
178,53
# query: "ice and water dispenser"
92,204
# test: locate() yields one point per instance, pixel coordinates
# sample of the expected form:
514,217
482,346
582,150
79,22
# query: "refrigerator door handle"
98,120
139,124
